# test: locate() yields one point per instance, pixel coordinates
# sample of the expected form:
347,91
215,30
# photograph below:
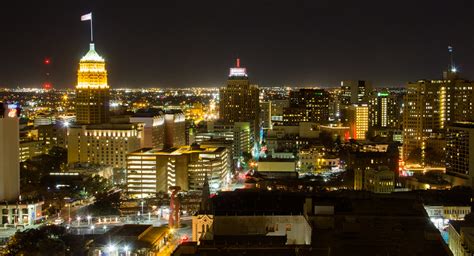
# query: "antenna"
452,68
238,63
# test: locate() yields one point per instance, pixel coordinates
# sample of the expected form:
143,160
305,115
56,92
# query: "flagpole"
92,34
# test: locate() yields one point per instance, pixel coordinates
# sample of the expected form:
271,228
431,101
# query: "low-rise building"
379,180
131,239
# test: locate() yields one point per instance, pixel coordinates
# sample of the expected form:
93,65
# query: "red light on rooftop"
238,63
47,86
47,61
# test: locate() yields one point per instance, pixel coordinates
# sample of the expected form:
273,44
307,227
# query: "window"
288,227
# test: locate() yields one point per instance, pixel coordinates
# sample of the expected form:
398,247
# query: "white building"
9,153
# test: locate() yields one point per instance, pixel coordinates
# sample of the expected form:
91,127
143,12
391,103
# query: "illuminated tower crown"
92,73
92,90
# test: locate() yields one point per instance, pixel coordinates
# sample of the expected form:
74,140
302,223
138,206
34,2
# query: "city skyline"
183,45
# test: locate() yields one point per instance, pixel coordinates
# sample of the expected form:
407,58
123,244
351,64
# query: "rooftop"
92,55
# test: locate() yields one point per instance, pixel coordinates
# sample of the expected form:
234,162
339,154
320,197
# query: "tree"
105,204
46,240
326,139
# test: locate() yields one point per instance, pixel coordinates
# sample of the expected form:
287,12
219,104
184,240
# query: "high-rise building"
359,121
385,110
92,90
9,153
455,98
460,153
355,91
266,114
431,105
94,138
421,114
313,102
239,100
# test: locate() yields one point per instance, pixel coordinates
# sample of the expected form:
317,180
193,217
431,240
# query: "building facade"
92,90
105,144
9,153
151,171
459,153
239,100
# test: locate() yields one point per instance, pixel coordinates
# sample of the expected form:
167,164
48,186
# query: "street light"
92,228
78,218
105,228
89,220
127,250
111,248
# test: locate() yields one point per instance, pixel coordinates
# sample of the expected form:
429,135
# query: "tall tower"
9,153
92,90
239,100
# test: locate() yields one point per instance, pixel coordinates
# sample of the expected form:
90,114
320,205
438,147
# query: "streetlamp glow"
111,248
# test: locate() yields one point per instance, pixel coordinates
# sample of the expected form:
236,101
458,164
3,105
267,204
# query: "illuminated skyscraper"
359,121
384,110
421,114
459,151
94,138
239,100
92,90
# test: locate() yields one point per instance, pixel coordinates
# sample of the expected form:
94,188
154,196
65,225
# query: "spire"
92,55
452,68
238,63
205,202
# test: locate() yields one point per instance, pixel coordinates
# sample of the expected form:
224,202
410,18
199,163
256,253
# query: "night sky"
193,43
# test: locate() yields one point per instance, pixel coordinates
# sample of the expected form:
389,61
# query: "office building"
459,153
431,105
456,97
358,121
385,111
314,104
239,133
94,138
150,171
239,100
266,115
355,92
92,90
